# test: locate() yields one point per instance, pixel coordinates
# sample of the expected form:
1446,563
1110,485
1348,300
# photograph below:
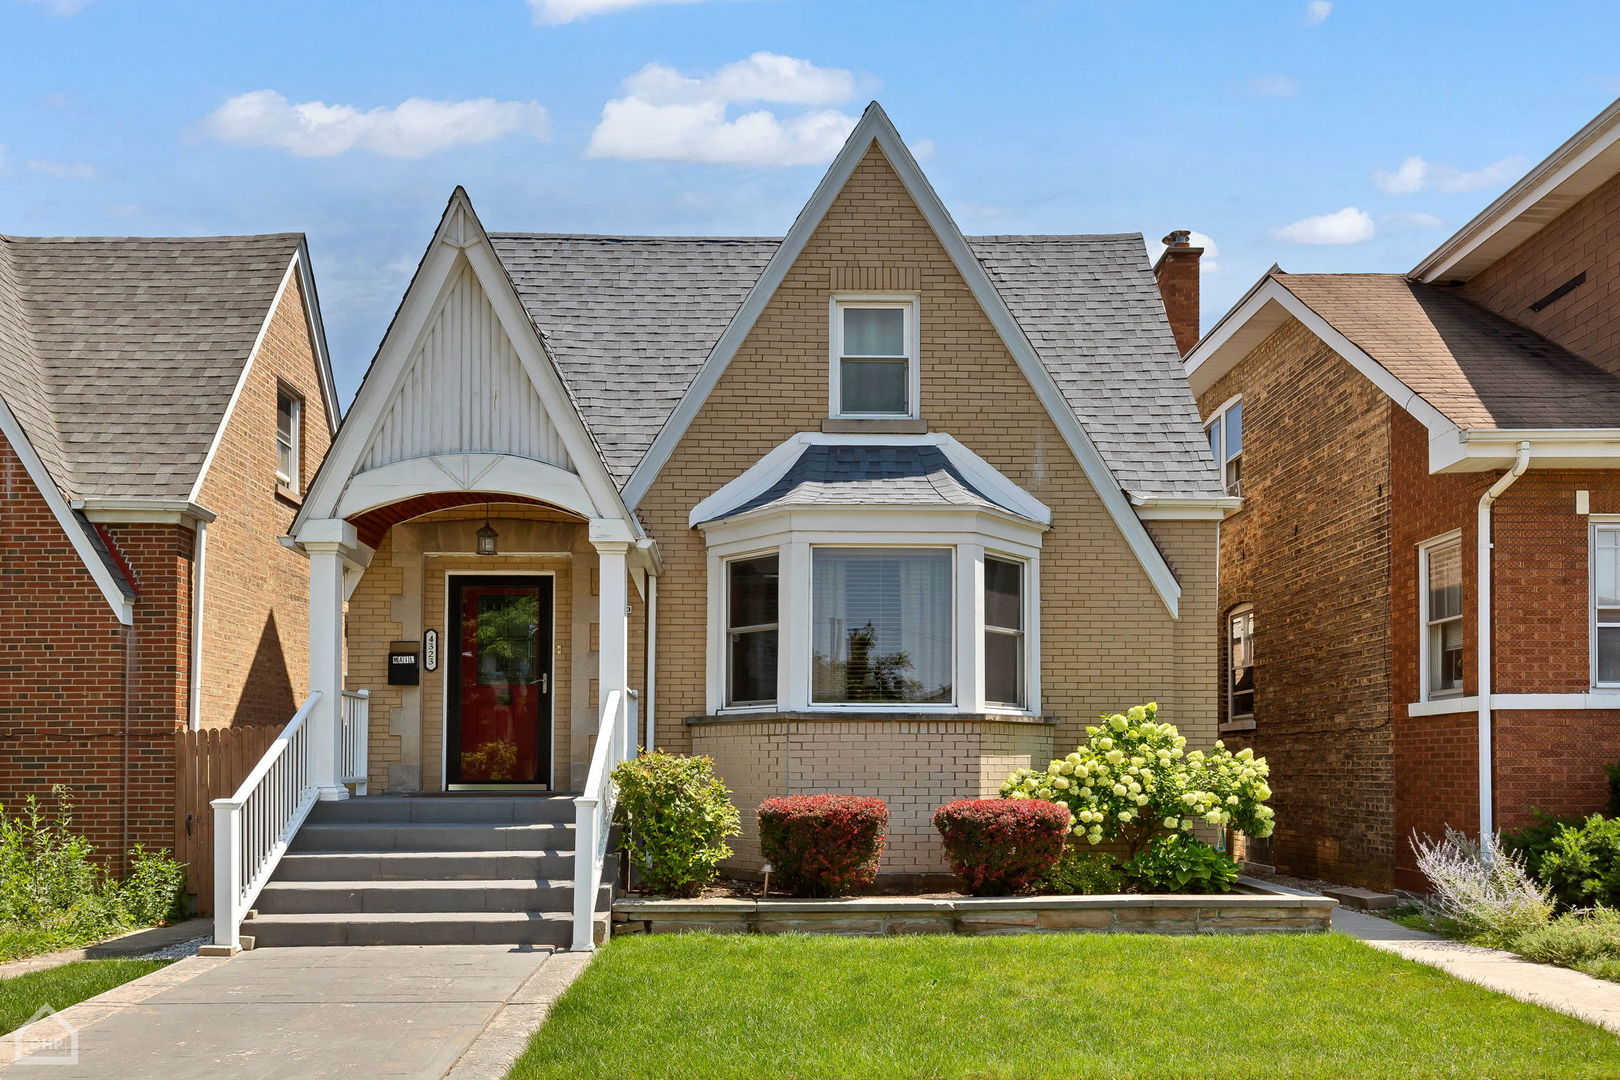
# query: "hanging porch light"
487,536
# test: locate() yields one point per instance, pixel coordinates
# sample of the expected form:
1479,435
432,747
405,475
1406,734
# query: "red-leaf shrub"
823,845
1001,846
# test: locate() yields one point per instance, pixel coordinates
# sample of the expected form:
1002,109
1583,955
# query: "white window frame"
290,481
1599,523
907,303
1025,571
794,534
1216,424
1232,715
1425,692
727,630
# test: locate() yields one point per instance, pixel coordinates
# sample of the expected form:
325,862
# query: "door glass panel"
503,685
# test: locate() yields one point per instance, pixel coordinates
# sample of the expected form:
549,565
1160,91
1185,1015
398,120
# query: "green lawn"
1070,1006
22,995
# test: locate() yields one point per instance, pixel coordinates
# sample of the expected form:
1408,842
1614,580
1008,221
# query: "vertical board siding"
209,764
465,391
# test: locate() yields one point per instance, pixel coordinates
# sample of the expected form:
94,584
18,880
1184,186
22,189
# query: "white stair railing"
354,732
593,810
253,827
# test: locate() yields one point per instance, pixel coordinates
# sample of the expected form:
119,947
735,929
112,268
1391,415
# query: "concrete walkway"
344,1013
1596,1001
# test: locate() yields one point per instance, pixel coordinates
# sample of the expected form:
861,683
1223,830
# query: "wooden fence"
208,765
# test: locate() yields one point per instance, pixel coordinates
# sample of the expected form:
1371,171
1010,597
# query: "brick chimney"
1177,275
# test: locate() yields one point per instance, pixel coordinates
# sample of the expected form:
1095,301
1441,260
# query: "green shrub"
53,896
1574,940
677,815
1081,873
1180,863
1581,866
1535,840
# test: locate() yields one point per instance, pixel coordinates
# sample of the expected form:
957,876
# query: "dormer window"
874,358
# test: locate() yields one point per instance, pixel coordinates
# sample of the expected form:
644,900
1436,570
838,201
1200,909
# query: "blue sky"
1346,136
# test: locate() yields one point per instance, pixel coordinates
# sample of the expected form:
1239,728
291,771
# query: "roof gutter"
1484,569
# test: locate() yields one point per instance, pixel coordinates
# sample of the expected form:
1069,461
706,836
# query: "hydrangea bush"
1133,779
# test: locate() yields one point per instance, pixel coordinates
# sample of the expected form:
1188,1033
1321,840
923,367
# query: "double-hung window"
1225,432
1240,664
874,347
1606,605
1440,597
751,630
289,422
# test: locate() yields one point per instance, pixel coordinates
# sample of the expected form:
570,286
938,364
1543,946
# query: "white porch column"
612,541
328,542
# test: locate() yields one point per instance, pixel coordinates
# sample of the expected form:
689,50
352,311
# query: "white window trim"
906,302
726,629
1423,550
794,533
1026,568
292,481
1217,421
1598,522
1234,718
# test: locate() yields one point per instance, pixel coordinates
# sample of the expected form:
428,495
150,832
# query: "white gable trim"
317,337
121,605
875,127
459,236
773,466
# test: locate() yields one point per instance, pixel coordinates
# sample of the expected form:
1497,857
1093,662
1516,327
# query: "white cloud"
65,170
1317,11
1347,226
414,128
62,7
557,12
1208,262
666,116
1415,174
1415,219
1273,86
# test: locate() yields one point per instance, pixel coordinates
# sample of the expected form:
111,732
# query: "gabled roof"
629,321
120,356
1477,368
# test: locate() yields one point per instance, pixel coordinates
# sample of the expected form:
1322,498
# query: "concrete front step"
432,836
447,809
428,866
400,897
417,928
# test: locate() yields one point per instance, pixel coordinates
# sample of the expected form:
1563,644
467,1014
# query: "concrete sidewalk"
345,1013
1596,1001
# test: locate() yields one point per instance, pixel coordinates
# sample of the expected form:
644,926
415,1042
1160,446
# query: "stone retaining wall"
874,916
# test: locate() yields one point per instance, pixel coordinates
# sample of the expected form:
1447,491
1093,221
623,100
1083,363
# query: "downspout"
199,562
649,701
1483,635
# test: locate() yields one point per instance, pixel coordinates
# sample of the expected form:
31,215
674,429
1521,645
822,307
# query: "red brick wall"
1551,759
1585,321
1310,551
64,695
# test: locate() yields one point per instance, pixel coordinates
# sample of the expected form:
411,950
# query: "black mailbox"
404,664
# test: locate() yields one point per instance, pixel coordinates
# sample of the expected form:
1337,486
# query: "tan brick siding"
255,656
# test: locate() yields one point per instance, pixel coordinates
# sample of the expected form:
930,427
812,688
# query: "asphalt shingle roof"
850,474
1477,368
630,320
119,354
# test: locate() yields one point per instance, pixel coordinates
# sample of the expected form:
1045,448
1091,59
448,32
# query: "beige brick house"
873,508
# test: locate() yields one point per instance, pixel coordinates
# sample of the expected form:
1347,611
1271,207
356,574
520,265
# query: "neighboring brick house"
1419,456
162,400
873,508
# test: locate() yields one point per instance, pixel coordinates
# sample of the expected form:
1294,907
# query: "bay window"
751,630
880,626
1441,615
1003,631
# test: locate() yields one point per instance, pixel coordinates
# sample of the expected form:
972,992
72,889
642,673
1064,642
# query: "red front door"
499,681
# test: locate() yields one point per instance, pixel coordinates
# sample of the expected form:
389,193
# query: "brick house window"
751,630
1606,605
1240,663
1441,615
289,437
1225,432
1004,631
874,358
880,626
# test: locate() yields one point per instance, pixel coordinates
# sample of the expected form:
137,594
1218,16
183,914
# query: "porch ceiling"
373,525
